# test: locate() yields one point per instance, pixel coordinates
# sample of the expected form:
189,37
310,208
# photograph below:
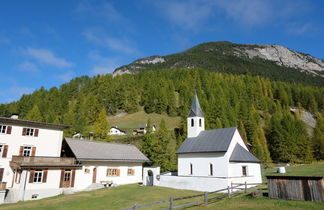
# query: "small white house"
115,131
210,160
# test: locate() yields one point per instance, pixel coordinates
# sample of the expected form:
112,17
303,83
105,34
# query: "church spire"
195,110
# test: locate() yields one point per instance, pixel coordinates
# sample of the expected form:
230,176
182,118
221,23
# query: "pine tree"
101,126
318,139
34,114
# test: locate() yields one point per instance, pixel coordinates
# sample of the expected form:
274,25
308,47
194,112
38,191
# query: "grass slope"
132,121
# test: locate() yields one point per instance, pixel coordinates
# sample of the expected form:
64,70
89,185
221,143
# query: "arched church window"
199,122
192,123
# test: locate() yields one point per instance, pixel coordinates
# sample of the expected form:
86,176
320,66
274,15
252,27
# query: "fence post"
171,203
231,187
245,189
135,207
206,198
228,191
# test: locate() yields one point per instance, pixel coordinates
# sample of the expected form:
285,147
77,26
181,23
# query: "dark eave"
29,123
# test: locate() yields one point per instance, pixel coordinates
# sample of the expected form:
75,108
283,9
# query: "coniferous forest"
260,108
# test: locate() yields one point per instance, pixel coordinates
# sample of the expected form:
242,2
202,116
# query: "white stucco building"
209,160
36,163
115,131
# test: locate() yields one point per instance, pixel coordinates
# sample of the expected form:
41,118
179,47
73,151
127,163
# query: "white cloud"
189,14
47,56
67,76
300,29
116,44
103,65
14,93
102,10
28,67
196,14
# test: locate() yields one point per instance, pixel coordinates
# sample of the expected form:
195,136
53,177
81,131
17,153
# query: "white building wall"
84,180
201,164
48,143
193,131
253,171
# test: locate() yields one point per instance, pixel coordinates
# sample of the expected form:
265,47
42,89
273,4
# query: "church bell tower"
195,119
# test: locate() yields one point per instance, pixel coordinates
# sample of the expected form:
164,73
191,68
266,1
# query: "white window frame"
129,172
27,150
38,176
246,171
30,131
3,129
1,149
111,171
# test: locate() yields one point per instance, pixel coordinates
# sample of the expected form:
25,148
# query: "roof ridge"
102,142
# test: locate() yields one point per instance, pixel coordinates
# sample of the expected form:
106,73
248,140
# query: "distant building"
115,131
143,130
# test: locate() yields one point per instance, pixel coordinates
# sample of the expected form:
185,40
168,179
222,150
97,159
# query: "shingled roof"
217,140
195,110
87,150
240,154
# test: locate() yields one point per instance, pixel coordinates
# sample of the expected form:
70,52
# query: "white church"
208,160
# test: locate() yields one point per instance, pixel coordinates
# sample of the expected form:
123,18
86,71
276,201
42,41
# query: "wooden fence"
307,188
206,197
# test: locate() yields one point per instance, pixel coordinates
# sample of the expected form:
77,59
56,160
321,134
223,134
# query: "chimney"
14,116
91,136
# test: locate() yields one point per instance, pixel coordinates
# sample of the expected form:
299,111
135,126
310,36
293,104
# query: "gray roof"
217,140
12,121
195,110
103,151
240,154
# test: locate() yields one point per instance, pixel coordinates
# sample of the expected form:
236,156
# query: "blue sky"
47,43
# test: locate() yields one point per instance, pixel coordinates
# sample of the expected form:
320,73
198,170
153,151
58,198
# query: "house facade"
36,163
210,160
115,131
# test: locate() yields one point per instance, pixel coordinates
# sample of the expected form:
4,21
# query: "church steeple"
195,119
195,110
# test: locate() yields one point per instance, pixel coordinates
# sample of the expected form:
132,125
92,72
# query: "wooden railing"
3,186
42,160
206,197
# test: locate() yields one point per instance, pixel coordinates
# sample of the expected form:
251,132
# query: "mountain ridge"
273,61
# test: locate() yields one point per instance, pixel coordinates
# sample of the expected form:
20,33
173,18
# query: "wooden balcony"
3,186
42,161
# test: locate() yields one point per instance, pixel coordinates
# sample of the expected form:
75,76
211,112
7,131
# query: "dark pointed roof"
217,140
195,110
240,154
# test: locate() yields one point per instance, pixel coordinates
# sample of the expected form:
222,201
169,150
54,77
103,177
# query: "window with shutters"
38,175
30,131
27,151
130,172
112,172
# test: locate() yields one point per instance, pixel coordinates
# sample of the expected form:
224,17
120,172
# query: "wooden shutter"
118,172
45,175
31,175
33,153
36,132
5,151
133,172
9,129
1,174
62,178
24,131
21,150
73,178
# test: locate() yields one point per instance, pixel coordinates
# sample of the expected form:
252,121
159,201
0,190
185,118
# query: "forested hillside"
257,106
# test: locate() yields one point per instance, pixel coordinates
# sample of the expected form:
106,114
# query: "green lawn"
134,120
315,169
127,195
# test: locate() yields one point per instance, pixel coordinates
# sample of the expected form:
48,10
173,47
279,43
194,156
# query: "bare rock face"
284,57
